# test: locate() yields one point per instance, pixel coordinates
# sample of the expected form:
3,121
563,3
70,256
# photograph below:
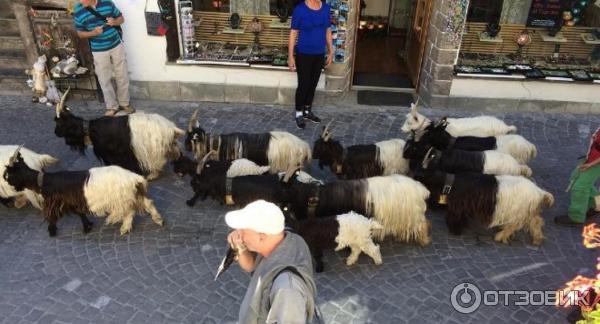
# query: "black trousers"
308,68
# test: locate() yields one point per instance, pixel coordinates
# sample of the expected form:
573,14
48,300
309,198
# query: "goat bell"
443,199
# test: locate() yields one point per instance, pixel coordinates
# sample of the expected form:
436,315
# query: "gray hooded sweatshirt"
272,298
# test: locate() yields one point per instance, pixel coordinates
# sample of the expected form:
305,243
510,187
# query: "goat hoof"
125,231
52,233
189,202
87,228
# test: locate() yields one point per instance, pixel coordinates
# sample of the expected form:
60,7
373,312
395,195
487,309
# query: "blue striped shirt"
85,21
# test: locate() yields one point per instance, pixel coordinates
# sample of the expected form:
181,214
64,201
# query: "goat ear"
15,156
61,103
193,119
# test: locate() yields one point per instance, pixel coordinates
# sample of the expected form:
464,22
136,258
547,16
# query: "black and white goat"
509,202
338,232
397,202
360,161
515,145
104,191
456,161
142,143
237,182
8,194
279,150
481,126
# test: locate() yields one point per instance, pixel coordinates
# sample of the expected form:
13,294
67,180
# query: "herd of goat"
471,167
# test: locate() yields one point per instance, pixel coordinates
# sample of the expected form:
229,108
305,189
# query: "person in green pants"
582,186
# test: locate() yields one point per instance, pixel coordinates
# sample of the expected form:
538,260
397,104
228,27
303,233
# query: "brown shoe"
110,112
128,109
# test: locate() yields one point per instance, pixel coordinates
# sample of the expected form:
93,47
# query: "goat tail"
512,129
47,160
525,170
548,200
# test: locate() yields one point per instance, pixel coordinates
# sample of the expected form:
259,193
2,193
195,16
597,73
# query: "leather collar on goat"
40,179
313,202
86,133
448,183
338,168
432,156
228,191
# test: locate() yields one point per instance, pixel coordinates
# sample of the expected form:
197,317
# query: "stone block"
139,89
267,95
443,56
286,96
337,83
579,107
214,92
440,87
531,105
237,93
442,72
192,91
595,108
555,106
168,91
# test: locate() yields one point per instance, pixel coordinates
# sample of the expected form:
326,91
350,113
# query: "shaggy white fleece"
154,141
118,194
355,231
390,156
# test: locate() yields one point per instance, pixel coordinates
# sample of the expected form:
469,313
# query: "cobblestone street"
165,274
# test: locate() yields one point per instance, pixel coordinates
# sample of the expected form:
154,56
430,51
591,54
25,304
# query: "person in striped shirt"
99,21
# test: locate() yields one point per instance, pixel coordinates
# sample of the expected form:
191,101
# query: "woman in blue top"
311,27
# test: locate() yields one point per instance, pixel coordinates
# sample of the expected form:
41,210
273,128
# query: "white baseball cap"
260,216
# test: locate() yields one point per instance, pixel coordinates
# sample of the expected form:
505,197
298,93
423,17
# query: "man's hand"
584,167
235,240
111,21
98,30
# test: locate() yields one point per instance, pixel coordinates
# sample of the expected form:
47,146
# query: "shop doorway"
390,41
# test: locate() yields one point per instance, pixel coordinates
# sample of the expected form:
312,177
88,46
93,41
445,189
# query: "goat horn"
13,158
290,172
326,128
203,161
61,103
192,120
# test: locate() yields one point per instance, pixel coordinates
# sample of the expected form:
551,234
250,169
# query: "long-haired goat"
236,182
397,202
279,150
481,126
105,191
360,161
509,202
337,232
456,161
142,143
515,145
36,161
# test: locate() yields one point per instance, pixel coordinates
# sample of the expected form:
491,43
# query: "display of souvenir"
235,20
466,69
594,75
495,70
555,73
534,74
339,20
580,75
518,67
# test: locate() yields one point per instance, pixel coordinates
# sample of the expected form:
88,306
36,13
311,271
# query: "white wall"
146,57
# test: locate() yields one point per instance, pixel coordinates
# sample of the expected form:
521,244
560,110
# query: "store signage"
545,13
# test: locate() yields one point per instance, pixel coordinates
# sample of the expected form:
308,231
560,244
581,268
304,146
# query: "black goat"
457,161
360,161
139,142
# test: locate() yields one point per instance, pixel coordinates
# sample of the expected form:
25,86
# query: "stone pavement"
165,275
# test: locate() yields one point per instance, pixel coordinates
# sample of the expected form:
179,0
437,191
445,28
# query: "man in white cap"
282,288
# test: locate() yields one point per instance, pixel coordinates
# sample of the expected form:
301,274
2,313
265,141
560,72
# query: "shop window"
537,39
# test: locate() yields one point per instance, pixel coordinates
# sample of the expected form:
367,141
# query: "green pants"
583,191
